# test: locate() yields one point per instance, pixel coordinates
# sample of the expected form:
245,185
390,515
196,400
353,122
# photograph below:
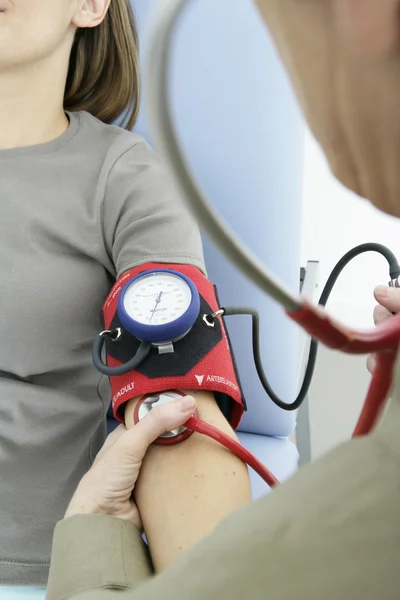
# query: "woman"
81,202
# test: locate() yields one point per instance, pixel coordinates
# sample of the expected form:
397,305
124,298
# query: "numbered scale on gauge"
159,306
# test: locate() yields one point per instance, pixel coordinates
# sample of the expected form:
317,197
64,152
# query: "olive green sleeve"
331,532
95,552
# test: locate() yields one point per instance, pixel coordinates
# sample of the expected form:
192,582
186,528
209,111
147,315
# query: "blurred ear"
371,26
90,13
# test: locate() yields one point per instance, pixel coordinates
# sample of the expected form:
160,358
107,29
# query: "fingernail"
383,291
187,403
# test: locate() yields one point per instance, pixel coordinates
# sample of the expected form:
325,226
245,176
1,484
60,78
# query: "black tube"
394,268
142,353
394,272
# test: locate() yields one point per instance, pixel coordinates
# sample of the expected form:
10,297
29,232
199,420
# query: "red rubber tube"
383,341
378,393
323,328
219,436
195,424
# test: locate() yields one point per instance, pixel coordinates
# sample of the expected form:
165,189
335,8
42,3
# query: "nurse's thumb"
388,297
160,419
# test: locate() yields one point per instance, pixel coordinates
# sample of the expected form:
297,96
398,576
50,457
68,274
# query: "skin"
389,305
107,486
33,73
197,477
198,481
343,58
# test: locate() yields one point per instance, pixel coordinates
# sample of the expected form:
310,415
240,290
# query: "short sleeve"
143,219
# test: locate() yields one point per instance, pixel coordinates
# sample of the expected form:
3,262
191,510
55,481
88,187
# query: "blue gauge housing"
163,332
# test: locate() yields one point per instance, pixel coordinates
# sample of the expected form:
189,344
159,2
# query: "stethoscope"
382,341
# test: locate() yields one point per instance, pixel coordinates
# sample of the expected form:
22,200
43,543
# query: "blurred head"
344,60
93,43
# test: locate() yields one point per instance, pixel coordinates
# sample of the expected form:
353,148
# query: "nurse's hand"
389,303
107,487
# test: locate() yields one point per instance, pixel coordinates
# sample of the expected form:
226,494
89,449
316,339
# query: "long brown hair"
103,76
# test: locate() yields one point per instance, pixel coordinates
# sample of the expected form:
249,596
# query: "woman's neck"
31,108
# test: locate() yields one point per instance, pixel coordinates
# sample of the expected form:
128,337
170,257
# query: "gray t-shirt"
75,213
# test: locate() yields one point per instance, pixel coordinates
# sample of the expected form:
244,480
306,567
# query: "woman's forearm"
184,491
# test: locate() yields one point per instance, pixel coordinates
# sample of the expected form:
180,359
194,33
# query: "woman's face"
33,30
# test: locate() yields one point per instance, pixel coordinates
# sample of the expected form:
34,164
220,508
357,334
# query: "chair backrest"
243,135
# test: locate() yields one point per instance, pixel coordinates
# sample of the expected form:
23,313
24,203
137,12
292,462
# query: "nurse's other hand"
389,303
107,486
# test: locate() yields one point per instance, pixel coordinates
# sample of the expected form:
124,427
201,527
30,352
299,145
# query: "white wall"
334,220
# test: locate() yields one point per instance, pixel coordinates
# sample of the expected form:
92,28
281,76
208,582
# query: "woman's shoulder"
109,145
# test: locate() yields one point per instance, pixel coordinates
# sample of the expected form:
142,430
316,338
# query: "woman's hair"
103,75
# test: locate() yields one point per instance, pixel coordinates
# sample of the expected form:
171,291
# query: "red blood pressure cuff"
202,360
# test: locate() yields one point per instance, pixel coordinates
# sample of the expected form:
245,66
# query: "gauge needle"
155,307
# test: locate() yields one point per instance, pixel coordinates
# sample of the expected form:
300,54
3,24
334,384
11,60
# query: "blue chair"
243,136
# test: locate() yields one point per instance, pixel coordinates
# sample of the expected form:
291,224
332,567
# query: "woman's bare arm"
185,490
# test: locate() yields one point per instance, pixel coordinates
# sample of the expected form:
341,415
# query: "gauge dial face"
157,298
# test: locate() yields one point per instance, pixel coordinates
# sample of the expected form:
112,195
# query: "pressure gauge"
159,306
